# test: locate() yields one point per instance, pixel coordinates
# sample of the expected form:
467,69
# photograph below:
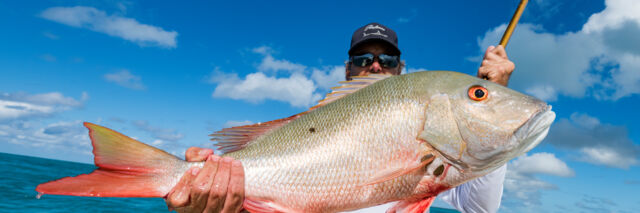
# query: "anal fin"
419,206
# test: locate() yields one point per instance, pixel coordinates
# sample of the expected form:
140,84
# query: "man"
219,185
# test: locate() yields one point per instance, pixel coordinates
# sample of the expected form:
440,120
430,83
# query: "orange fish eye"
478,93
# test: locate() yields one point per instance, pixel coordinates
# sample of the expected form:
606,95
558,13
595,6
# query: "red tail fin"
126,168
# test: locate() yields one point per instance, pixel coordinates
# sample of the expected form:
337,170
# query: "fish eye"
478,93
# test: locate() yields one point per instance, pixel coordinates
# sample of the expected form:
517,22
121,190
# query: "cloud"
600,60
67,135
22,105
541,163
50,35
126,79
264,50
158,133
522,189
273,65
411,16
236,123
595,204
113,25
294,86
328,76
296,89
597,143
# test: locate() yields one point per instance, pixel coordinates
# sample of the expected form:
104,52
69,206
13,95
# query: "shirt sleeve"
482,194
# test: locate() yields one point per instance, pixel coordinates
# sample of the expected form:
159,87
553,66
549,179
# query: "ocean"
19,176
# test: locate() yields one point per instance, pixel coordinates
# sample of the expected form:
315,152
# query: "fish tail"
126,168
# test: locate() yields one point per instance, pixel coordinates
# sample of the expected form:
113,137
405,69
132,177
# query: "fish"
372,140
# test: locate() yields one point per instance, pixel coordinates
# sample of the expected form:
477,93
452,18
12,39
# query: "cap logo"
378,33
374,27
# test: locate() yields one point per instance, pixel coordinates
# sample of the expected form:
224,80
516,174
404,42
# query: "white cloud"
411,16
600,60
68,135
597,143
328,77
51,35
608,157
545,93
23,105
541,163
264,50
270,64
126,79
293,86
236,123
522,189
296,89
113,25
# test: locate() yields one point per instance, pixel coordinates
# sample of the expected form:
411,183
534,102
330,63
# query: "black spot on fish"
312,130
438,170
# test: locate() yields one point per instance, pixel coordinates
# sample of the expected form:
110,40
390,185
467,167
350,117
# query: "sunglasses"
388,61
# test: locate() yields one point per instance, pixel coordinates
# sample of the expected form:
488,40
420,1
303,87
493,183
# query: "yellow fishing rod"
513,23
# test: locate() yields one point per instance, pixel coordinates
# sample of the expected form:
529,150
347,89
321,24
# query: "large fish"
373,140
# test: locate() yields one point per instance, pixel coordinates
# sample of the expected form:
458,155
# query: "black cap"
374,31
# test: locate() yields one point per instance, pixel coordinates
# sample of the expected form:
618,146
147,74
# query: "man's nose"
375,67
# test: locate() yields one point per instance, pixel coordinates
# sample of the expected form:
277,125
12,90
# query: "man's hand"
216,187
496,66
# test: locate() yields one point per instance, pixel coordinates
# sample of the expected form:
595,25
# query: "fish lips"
532,132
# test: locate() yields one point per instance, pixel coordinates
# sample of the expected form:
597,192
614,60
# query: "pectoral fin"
395,172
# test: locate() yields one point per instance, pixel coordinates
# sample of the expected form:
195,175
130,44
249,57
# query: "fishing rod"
513,23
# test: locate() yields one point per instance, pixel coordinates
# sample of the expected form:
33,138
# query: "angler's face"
375,49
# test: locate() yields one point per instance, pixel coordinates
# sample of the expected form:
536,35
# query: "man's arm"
216,187
483,194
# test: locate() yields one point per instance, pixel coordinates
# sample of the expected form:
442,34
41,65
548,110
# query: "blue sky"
170,73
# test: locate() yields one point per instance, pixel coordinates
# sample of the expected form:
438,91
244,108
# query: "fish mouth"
532,132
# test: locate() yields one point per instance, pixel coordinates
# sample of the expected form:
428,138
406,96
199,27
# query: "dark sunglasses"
388,61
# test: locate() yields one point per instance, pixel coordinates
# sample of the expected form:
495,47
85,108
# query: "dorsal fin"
356,83
235,138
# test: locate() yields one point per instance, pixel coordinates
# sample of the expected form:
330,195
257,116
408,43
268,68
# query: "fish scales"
317,171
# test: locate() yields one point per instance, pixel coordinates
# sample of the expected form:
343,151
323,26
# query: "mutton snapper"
373,140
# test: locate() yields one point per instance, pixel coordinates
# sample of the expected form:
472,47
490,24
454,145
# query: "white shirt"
482,194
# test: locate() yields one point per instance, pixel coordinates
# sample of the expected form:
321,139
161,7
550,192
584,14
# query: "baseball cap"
374,31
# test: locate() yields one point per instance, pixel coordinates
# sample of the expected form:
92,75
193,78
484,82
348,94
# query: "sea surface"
19,176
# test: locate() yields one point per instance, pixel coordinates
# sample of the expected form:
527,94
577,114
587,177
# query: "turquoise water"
19,176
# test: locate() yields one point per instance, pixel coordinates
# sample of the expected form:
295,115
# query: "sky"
169,73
